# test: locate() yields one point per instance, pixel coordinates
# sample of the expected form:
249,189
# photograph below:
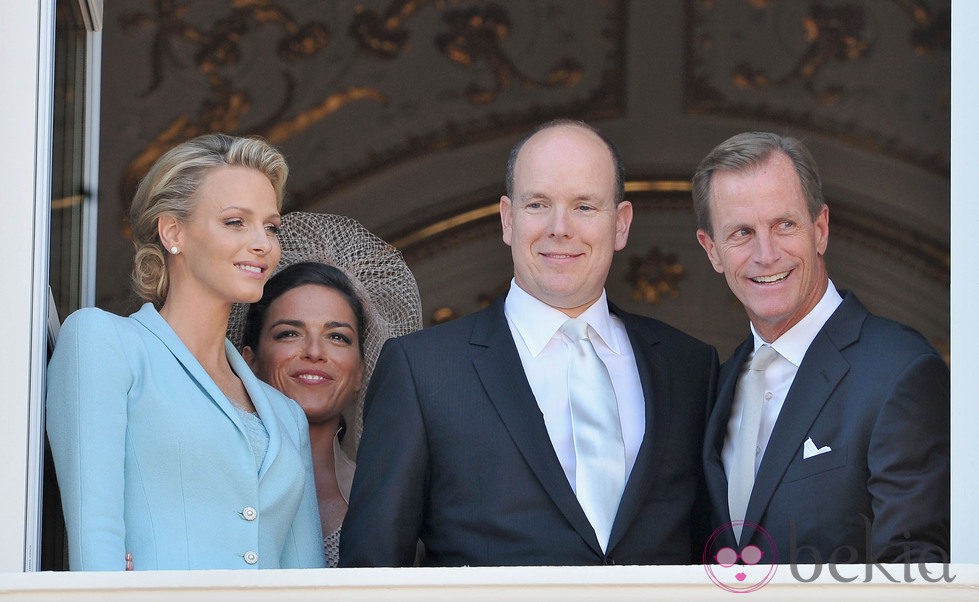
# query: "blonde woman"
169,452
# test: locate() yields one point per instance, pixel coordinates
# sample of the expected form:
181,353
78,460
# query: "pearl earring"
174,249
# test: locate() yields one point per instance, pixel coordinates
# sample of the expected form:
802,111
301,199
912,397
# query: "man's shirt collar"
537,322
794,342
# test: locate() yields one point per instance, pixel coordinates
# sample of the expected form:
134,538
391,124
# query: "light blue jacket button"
251,557
249,513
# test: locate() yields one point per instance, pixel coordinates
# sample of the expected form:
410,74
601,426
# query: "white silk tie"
752,398
598,446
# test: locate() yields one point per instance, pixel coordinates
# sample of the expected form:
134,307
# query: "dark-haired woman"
316,335
305,338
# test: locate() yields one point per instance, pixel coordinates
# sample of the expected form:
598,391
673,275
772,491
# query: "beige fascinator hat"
381,278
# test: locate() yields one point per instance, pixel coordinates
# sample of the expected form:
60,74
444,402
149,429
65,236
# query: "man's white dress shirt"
544,353
791,348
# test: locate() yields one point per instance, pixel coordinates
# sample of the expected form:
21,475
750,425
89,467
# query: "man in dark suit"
839,447
471,439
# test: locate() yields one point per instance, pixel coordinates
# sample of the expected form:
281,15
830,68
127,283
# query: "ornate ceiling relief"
366,97
349,88
870,73
215,51
655,276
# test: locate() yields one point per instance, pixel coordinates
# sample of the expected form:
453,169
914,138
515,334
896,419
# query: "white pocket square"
809,449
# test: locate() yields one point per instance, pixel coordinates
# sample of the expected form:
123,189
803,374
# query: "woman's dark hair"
296,275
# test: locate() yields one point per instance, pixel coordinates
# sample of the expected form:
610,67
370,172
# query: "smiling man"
551,428
831,428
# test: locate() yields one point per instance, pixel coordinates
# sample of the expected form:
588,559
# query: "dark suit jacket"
455,453
877,394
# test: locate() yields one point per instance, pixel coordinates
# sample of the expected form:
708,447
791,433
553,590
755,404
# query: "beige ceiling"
401,113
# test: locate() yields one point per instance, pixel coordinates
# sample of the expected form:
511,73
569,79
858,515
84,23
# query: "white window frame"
26,49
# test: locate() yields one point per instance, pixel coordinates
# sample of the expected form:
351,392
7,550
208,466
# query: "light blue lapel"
263,405
154,322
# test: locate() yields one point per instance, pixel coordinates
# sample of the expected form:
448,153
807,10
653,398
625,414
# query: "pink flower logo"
743,570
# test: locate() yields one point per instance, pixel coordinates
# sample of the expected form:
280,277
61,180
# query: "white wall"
21,53
965,282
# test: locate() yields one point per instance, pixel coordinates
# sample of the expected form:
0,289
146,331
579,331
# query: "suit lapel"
261,401
498,364
154,322
823,366
717,430
655,380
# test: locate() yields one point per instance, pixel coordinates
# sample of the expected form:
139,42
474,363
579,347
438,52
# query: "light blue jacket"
153,459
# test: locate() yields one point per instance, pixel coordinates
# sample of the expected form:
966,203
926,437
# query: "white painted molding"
965,284
532,584
25,28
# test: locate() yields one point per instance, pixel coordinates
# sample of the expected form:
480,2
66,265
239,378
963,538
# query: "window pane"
67,224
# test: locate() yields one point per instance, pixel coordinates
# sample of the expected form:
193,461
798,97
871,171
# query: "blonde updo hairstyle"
170,187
